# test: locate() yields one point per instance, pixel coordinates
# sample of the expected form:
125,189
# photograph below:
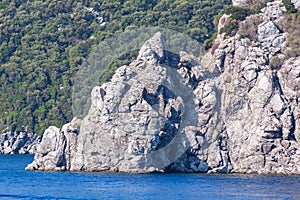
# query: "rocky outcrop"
296,3
131,119
240,3
249,3
231,111
18,143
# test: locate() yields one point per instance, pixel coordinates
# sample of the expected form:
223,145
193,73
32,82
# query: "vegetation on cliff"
43,43
290,24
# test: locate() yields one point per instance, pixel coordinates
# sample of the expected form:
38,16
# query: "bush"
257,4
248,28
209,42
231,28
276,63
237,13
2,6
291,25
290,8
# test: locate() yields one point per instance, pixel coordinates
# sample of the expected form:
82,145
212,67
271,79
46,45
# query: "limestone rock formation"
234,112
131,118
18,143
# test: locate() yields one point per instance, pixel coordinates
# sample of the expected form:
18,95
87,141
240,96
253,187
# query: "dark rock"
266,148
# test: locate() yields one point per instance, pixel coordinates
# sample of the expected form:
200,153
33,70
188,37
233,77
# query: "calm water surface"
15,183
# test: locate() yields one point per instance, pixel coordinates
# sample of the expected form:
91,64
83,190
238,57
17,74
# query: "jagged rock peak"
131,117
152,47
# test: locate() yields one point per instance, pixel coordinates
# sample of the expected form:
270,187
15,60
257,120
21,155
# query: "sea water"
16,183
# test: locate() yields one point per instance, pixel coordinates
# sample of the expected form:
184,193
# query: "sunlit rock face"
240,3
296,3
245,113
18,142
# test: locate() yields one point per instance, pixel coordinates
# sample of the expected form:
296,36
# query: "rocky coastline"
18,143
246,113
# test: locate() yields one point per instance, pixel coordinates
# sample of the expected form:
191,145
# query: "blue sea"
16,183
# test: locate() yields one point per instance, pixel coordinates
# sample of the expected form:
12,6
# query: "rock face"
240,3
131,118
243,115
18,143
296,3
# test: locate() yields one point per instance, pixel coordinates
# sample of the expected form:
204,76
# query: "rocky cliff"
18,143
236,110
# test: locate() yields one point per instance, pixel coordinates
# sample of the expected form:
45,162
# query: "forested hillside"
43,43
